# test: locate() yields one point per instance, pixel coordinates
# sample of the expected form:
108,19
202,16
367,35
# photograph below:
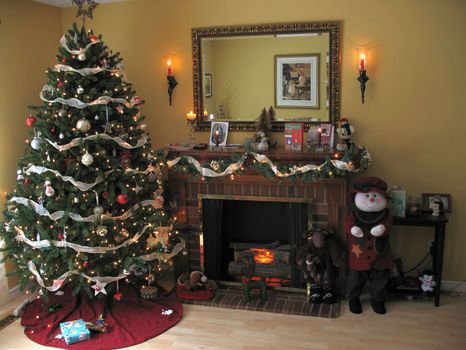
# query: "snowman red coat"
362,252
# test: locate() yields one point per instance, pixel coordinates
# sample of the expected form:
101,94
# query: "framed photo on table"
297,81
428,199
218,134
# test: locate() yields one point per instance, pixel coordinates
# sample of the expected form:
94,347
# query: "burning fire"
262,256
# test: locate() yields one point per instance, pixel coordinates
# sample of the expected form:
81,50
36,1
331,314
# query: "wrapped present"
74,331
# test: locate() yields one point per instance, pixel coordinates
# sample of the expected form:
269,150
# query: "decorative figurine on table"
427,282
436,206
317,260
344,132
370,259
249,280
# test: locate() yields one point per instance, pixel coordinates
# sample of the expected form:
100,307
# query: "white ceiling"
67,3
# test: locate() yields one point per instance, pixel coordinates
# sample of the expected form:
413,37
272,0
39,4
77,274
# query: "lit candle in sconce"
169,68
362,62
191,116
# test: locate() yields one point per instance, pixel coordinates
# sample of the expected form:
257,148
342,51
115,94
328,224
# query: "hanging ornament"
105,195
61,112
63,60
82,56
60,84
30,120
60,236
118,296
99,287
122,198
80,89
102,231
136,100
93,38
87,159
125,159
76,199
120,109
61,136
83,125
96,117
98,210
85,264
53,130
36,143
26,181
158,199
19,176
49,191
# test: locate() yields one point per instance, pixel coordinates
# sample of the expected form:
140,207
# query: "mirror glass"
240,70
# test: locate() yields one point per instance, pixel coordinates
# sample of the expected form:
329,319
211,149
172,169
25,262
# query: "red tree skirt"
131,321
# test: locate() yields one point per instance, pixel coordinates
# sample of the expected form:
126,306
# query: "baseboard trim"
458,286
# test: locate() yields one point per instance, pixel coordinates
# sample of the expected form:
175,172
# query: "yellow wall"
29,35
243,75
412,120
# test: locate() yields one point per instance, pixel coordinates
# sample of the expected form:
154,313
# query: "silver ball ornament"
83,125
36,143
82,56
98,210
76,199
61,136
80,89
96,117
87,159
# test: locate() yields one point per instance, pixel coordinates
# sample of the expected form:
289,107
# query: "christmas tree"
88,208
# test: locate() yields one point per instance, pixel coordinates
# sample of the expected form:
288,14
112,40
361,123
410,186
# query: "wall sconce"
191,118
363,78
171,81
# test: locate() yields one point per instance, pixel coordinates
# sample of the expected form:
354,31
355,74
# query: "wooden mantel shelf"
275,154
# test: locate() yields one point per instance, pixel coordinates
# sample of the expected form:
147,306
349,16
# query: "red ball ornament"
26,181
85,264
63,60
122,198
30,120
60,84
60,236
93,38
105,195
53,130
118,296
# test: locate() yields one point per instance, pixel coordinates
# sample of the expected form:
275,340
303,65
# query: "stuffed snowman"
367,226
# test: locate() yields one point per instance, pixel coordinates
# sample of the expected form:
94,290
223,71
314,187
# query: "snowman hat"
370,184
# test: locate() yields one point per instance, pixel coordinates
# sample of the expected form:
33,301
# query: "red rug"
131,321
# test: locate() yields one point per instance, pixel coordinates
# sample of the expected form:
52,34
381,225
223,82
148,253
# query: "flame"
262,256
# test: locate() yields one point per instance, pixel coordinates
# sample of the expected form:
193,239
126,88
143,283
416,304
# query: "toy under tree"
88,208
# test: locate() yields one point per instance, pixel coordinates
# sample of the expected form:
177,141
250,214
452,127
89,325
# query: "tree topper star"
99,287
85,8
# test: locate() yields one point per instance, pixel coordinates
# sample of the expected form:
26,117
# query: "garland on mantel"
354,159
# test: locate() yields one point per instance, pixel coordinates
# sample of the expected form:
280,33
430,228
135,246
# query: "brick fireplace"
322,202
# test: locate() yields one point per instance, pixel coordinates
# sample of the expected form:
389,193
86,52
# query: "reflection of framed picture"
297,81
429,199
207,85
218,134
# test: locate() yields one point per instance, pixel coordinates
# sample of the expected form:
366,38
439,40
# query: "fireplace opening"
272,229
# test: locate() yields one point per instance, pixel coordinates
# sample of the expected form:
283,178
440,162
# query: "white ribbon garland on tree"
80,185
82,71
42,211
76,103
105,279
77,141
45,243
64,44
207,172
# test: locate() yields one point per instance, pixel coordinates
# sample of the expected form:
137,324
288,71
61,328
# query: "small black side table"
439,223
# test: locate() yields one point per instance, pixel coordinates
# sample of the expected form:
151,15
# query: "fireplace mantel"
329,195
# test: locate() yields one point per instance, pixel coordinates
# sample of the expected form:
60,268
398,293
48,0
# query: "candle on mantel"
205,113
191,116
169,68
319,136
362,62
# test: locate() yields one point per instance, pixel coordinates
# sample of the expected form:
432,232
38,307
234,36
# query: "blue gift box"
74,331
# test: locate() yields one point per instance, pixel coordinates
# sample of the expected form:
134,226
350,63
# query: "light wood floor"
407,325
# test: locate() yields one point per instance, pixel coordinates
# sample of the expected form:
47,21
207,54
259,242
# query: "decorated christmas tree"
88,208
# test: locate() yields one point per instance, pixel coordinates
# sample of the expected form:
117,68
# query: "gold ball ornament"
87,159
102,231
83,125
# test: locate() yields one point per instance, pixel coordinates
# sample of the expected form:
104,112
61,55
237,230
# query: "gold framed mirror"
293,67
